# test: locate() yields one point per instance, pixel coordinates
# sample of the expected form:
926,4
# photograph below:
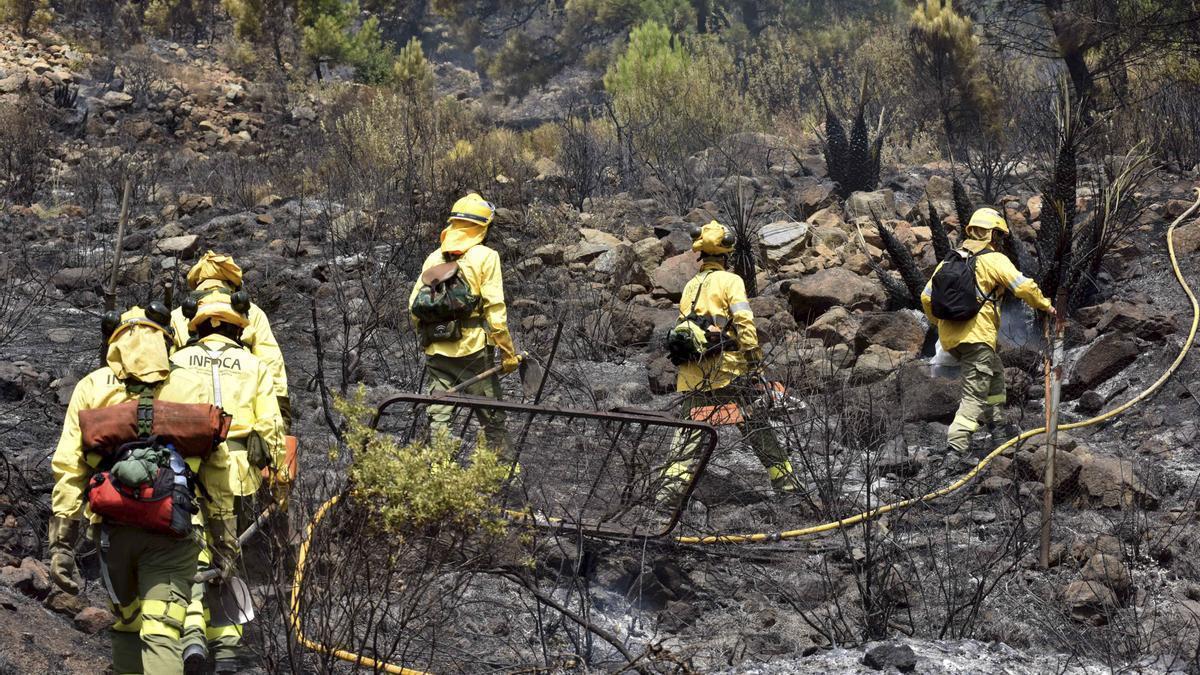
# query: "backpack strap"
691,305
990,296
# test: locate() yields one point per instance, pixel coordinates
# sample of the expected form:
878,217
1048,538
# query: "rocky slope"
1126,542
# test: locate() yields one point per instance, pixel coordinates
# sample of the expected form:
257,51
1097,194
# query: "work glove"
285,411
258,453
62,535
280,485
509,360
223,534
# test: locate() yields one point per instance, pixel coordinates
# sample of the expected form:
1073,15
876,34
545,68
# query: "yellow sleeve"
742,315
71,471
1001,273
495,312
266,348
491,292
214,476
268,421
179,325
927,297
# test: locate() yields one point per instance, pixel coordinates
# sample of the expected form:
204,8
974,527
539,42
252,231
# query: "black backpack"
955,292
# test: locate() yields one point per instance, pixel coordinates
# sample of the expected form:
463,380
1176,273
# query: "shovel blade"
532,376
229,602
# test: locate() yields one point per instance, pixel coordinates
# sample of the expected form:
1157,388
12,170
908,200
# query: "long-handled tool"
529,370
229,602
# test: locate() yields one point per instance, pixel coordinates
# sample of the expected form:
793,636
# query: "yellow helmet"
988,219
220,308
137,343
713,239
473,209
214,267
155,317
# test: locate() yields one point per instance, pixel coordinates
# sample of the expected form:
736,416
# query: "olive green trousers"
983,393
150,577
686,445
445,372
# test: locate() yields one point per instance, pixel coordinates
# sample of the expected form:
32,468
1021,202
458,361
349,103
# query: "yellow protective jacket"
73,468
479,266
258,337
994,274
721,295
246,391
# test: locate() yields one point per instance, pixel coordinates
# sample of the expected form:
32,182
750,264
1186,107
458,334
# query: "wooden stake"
110,293
1053,397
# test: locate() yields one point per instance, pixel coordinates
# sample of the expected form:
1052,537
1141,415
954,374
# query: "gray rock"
891,655
783,241
814,294
880,204
837,326
674,273
75,278
183,246
1101,360
116,100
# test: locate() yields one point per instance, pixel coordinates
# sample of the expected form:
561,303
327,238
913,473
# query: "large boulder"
1187,239
674,273
621,266
194,203
812,193
875,363
1101,360
1066,468
1112,483
897,331
1109,570
76,278
891,656
878,204
1135,318
783,240
1089,601
183,246
922,397
585,251
837,326
814,294
650,251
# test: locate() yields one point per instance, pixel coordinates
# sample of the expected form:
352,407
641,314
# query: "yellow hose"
751,538
756,537
298,580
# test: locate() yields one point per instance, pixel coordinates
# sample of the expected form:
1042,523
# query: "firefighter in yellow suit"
224,373
148,575
449,362
218,273
973,342
721,295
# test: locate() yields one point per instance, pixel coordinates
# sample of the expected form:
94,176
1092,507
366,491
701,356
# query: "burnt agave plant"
853,161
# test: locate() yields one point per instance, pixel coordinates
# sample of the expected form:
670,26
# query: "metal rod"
1053,398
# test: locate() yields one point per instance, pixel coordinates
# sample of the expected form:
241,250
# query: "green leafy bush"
419,486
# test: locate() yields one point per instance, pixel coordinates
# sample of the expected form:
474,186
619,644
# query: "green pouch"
443,331
140,467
